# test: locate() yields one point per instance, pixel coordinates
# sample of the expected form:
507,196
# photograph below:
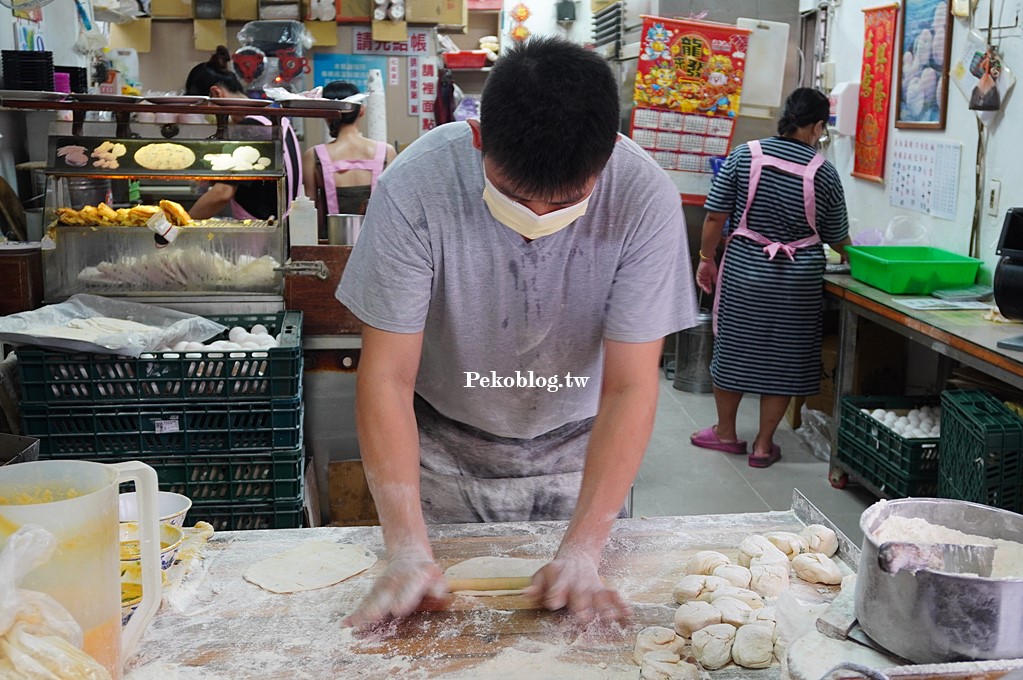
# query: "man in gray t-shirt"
516,276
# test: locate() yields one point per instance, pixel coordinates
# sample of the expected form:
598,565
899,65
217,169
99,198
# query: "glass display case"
100,238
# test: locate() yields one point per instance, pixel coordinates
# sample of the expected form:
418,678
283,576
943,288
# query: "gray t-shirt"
431,258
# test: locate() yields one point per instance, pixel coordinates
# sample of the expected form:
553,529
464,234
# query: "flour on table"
1008,561
312,565
493,567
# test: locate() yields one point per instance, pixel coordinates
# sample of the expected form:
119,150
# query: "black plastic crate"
246,478
868,463
281,514
982,446
141,430
52,377
915,458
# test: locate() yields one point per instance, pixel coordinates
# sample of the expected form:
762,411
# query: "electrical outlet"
994,194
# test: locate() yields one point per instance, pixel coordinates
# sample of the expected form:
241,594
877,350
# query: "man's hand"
706,275
572,580
409,580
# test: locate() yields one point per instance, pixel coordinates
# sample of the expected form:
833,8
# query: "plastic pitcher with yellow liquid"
76,501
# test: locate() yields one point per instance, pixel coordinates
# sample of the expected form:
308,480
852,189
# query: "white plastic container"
302,229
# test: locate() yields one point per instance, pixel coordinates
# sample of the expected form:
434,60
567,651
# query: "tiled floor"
677,478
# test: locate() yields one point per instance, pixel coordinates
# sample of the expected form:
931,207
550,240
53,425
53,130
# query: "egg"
181,346
237,334
878,414
230,346
248,344
259,329
194,346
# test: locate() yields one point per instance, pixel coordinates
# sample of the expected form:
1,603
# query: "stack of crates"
221,427
981,450
895,465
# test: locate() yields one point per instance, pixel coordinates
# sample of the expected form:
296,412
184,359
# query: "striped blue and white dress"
768,338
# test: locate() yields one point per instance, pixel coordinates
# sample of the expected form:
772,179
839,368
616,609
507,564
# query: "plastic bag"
276,35
816,432
52,326
906,231
38,638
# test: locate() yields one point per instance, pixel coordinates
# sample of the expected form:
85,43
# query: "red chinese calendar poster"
687,89
875,92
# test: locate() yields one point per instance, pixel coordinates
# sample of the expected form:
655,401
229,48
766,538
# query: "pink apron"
292,170
772,248
329,166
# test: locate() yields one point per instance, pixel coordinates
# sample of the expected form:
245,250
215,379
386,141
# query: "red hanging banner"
687,88
875,92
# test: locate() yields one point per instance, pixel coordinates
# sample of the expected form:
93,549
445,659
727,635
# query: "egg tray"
915,458
51,377
140,430
981,450
279,514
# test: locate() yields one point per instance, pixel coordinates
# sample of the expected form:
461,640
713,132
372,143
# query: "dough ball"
696,586
733,611
656,638
753,647
712,646
734,574
705,561
789,543
820,539
659,666
695,615
741,594
765,616
780,650
661,656
817,568
758,547
770,580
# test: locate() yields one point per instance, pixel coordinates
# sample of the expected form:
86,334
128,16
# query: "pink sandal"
765,460
707,438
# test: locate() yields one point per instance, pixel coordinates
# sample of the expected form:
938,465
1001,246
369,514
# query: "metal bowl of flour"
929,616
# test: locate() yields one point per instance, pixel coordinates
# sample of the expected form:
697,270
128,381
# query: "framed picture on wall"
922,92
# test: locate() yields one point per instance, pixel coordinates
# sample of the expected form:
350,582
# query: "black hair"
805,106
549,117
339,89
212,73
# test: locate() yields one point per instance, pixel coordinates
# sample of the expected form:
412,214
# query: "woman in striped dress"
783,200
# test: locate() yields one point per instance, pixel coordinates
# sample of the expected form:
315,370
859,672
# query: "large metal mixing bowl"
934,617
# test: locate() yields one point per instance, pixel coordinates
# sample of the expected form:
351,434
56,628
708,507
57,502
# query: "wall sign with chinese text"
687,89
429,71
419,43
875,92
351,68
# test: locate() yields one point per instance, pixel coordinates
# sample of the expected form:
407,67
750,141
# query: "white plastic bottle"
302,228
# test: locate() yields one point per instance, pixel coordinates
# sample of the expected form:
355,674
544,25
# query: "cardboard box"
423,11
171,9
351,503
356,11
454,13
241,10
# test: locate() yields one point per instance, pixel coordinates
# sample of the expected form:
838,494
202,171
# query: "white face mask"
521,219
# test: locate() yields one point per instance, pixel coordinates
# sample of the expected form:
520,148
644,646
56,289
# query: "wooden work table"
215,625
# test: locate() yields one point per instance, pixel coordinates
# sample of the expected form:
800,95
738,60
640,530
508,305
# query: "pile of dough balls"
920,423
726,611
238,339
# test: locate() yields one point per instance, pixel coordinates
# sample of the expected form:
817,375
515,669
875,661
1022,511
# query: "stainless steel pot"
933,617
343,230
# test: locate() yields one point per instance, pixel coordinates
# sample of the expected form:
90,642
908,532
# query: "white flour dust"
1008,561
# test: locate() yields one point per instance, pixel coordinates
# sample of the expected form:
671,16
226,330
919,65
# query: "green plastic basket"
981,450
141,430
912,458
281,514
911,270
233,478
51,377
865,462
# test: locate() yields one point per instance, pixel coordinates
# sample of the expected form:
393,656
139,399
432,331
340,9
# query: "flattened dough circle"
312,565
493,567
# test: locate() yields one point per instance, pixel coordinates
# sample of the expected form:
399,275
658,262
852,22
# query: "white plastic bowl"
172,508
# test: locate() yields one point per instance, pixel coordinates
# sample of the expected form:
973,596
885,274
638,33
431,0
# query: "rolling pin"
496,583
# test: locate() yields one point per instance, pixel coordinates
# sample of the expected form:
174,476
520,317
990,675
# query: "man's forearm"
389,442
617,444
